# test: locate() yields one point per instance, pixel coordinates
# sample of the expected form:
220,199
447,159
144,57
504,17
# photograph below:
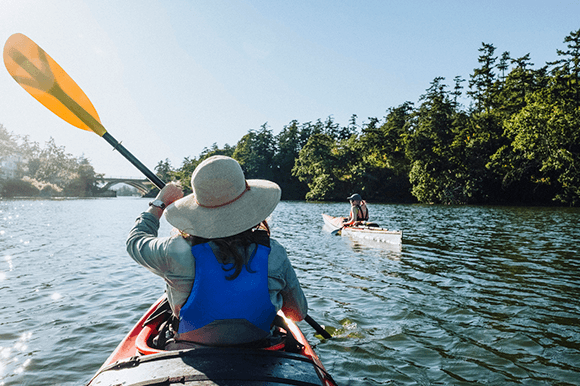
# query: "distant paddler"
359,212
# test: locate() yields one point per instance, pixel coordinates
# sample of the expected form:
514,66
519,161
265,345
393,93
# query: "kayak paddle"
42,77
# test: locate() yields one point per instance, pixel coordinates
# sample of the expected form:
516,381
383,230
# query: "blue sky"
169,78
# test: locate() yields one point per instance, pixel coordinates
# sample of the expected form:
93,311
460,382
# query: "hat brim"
253,207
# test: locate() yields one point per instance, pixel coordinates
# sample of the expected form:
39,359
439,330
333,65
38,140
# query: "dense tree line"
517,141
511,136
44,171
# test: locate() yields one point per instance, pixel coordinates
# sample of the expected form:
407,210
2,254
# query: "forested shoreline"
508,134
517,142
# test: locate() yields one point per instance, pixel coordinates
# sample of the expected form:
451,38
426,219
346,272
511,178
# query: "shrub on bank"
16,188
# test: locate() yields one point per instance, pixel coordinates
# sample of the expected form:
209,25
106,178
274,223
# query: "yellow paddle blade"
46,81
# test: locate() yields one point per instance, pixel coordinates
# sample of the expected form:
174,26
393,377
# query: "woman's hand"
168,195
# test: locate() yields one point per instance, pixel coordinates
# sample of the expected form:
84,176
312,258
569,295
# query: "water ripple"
479,295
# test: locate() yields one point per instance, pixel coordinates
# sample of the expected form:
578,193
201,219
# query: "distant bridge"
141,184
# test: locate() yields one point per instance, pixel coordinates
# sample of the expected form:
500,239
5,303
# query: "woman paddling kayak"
359,212
225,277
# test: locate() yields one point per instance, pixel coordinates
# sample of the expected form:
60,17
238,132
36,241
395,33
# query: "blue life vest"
213,297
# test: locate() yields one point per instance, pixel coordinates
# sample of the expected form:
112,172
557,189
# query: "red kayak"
136,361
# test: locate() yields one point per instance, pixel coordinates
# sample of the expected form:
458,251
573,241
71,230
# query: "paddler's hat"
223,202
355,197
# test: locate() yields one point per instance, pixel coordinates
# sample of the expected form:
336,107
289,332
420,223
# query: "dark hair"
229,247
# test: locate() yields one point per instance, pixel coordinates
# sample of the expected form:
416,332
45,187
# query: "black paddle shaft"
317,327
131,158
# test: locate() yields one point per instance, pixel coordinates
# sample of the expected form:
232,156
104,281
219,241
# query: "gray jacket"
171,258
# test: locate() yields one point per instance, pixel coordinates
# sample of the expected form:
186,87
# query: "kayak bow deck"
364,232
136,362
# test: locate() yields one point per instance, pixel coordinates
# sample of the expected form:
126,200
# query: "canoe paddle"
42,77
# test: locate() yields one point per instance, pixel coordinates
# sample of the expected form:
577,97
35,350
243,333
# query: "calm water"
476,295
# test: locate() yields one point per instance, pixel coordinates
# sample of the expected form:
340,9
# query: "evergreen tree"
386,166
183,174
503,64
428,147
289,146
315,166
255,153
566,72
538,163
482,81
457,90
227,150
165,171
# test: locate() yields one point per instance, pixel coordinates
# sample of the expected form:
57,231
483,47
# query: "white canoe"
362,232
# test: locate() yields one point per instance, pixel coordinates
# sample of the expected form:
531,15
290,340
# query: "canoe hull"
135,362
334,224
212,366
374,234
363,232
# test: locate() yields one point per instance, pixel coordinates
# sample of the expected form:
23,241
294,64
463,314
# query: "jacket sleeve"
285,290
167,257
145,247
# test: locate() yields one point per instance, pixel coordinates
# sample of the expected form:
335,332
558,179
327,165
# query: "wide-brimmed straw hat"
223,202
